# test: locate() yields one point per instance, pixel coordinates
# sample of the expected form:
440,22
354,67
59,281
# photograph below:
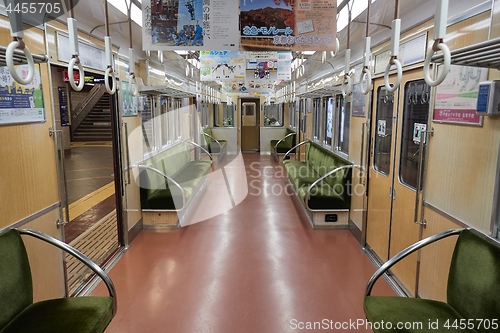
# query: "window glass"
317,118
344,120
291,110
273,115
228,114
415,115
178,110
171,121
147,116
330,108
383,137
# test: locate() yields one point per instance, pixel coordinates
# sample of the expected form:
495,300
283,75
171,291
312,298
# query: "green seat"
473,291
285,145
18,313
212,146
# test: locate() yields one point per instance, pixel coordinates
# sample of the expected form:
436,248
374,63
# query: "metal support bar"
296,146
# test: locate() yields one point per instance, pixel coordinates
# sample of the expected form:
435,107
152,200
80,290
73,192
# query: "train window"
343,120
383,139
171,121
329,110
291,110
273,115
316,118
415,115
302,115
178,128
147,117
204,115
227,115
164,101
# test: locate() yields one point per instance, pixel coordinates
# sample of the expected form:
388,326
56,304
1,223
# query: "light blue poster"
129,104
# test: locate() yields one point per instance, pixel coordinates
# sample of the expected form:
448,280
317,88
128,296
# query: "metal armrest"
78,255
211,137
170,179
283,138
197,145
296,146
351,166
406,252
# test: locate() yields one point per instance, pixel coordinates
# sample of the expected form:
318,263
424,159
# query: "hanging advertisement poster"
129,103
21,103
288,24
264,67
242,86
222,65
190,25
456,97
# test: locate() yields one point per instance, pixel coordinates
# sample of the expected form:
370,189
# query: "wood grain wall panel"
45,259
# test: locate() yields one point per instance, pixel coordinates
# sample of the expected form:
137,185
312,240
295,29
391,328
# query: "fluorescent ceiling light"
181,52
308,52
135,12
358,6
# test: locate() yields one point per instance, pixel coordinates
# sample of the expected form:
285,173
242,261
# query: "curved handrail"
396,34
296,146
399,68
349,85
168,178
369,84
197,145
9,59
211,137
337,47
406,252
317,181
71,76
78,255
283,138
110,71
446,63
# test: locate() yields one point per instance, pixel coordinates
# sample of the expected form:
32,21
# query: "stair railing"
85,106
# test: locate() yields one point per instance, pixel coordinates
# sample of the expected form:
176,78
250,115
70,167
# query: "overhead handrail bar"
283,138
73,47
396,33
132,82
440,17
365,72
294,147
347,66
211,137
109,54
17,33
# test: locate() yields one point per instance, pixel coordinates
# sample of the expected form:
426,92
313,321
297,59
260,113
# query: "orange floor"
257,268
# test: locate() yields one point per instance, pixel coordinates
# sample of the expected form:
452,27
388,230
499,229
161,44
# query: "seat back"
16,289
474,278
291,139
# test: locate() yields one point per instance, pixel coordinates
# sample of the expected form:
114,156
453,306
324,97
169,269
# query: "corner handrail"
406,252
283,138
147,167
296,146
78,255
211,137
197,145
316,182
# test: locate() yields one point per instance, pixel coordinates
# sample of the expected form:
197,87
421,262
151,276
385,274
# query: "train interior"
176,203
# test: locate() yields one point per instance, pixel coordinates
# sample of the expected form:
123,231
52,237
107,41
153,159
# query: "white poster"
90,56
222,65
268,66
190,25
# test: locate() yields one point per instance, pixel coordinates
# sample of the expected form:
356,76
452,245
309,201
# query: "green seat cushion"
474,278
323,196
282,148
396,310
214,147
75,315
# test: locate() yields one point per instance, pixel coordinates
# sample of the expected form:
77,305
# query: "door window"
383,138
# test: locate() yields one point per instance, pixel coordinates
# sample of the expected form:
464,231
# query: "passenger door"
249,125
395,173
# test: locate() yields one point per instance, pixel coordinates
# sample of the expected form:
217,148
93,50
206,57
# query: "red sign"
76,75
457,116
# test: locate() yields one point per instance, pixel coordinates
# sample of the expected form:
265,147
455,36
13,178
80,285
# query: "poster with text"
242,86
222,65
456,96
21,103
268,67
190,25
296,25
129,103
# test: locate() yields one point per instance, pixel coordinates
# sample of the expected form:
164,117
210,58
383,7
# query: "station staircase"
93,121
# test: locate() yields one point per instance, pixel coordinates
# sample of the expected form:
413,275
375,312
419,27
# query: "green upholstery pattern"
16,289
18,313
332,192
75,315
473,292
159,193
212,146
285,145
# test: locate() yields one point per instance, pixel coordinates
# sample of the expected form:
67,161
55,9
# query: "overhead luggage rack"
485,54
20,58
321,92
164,90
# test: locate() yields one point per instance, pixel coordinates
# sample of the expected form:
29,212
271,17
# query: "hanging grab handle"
132,82
347,89
109,71
73,47
396,29
17,32
439,33
337,47
366,88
